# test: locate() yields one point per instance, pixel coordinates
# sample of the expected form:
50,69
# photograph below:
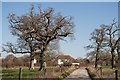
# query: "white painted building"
66,58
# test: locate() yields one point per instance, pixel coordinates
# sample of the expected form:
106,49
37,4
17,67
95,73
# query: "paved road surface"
79,74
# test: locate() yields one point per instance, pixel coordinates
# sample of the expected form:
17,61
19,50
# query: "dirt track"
79,74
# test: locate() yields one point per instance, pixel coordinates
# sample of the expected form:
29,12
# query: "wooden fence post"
61,68
116,74
20,73
101,72
44,71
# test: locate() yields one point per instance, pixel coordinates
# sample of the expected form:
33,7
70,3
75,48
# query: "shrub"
67,64
65,74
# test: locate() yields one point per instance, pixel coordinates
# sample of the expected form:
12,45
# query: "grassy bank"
67,72
103,72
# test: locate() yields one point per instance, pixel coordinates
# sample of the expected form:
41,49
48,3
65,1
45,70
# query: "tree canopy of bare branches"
105,39
98,37
37,29
111,32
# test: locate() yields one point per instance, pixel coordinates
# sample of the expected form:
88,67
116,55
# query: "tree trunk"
118,61
30,65
41,61
96,60
42,56
31,56
112,61
41,66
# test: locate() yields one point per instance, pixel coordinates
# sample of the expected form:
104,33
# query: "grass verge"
66,73
92,75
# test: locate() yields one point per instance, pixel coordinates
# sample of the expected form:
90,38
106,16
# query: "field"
26,73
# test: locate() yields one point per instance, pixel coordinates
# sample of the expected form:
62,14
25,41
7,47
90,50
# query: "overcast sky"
87,17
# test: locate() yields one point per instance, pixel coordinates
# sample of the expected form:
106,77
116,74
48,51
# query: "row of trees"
105,46
35,31
11,61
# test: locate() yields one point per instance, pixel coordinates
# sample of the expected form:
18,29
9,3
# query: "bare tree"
104,58
98,37
8,61
22,47
112,40
40,29
118,52
108,39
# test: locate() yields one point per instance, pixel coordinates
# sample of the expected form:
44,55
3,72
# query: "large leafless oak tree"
38,29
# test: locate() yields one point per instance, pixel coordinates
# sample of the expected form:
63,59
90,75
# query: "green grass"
109,67
104,67
14,73
26,73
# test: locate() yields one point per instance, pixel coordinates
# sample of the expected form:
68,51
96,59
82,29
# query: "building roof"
68,57
62,56
75,61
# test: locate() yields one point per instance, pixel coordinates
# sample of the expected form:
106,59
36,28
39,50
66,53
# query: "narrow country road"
79,74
